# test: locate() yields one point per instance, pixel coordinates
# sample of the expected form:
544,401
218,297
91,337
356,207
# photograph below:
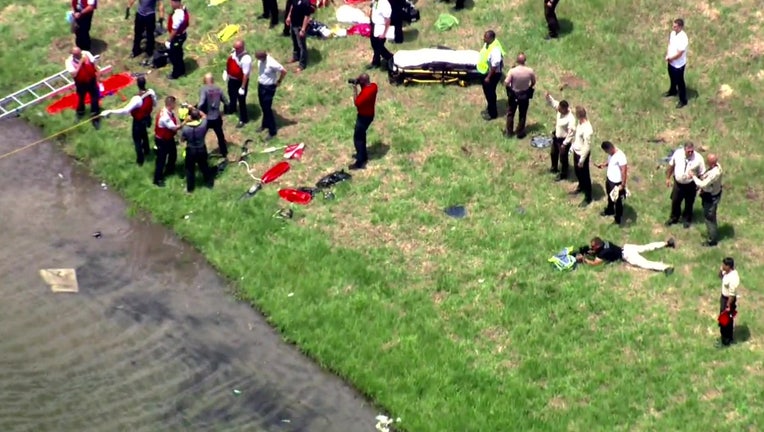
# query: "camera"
353,81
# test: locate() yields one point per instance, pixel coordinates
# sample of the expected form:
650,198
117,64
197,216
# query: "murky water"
152,342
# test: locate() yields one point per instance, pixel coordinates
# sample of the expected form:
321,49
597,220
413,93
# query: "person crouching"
193,134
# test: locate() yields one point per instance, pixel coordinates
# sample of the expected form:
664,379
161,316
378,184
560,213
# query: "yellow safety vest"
483,65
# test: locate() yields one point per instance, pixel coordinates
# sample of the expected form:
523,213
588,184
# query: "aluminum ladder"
14,103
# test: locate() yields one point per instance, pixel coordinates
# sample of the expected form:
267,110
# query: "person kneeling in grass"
604,251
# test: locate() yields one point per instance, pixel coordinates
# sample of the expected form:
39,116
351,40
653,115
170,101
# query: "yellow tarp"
60,280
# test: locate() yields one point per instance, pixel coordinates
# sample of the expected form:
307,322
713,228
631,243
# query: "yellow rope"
20,149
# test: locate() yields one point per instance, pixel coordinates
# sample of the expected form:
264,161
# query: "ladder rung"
50,86
33,93
3,109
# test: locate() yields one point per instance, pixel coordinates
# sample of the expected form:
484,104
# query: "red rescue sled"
111,85
295,196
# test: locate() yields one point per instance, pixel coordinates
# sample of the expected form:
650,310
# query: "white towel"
616,190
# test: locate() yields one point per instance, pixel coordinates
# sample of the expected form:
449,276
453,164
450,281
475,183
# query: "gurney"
434,65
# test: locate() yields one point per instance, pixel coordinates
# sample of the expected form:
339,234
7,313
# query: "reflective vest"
87,72
233,67
483,65
78,5
183,26
162,132
143,111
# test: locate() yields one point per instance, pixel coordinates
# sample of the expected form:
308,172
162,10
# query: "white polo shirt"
166,120
683,167
730,282
269,71
72,64
245,62
614,164
381,10
678,42
178,16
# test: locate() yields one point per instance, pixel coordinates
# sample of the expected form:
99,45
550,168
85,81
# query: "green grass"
461,325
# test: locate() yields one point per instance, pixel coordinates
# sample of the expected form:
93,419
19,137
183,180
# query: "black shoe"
669,271
617,222
507,134
96,124
134,55
270,137
560,178
273,25
170,77
261,129
554,171
159,183
457,9
285,34
669,94
606,213
357,166
710,243
140,162
681,105
371,66
686,225
671,243
262,17
240,125
671,222
521,135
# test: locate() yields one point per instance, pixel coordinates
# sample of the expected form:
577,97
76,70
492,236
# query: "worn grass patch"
461,325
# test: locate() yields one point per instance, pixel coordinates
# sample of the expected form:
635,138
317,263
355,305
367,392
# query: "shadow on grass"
314,56
726,231
98,46
630,215
378,150
282,121
253,111
742,333
410,34
598,192
191,65
566,26
692,93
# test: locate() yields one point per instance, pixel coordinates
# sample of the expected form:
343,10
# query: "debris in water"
290,294
384,422
236,392
97,234
104,187
286,421
60,280
457,212
60,175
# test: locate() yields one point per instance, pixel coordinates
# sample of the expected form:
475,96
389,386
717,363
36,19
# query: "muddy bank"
153,341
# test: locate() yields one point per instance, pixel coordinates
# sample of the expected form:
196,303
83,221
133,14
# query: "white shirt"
730,283
88,3
678,42
614,164
495,59
269,71
381,10
135,102
165,121
245,62
72,64
178,16
582,141
684,168
564,125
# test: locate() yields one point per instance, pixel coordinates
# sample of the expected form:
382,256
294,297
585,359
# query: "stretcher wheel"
406,82
462,83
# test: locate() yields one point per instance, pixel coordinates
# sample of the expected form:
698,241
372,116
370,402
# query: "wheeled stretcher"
434,65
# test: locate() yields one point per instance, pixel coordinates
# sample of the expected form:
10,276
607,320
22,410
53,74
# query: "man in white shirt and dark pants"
270,75
581,152
617,174
81,65
564,131
237,70
676,57
380,14
728,300
683,165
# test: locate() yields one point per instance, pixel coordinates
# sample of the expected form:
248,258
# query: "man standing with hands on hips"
380,14
210,99
364,103
615,183
270,75
237,70
676,57
520,83
683,165
490,64
728,300
710,184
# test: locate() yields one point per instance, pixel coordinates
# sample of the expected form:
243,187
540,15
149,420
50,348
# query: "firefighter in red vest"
165,129
237,70
140,108
177,25
81,65
83,18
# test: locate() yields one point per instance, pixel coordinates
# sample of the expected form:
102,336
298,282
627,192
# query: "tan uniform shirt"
710,181
564,125
730,283
520,78
582,144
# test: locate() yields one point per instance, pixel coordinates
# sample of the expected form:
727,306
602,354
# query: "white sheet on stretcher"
413,58
347,14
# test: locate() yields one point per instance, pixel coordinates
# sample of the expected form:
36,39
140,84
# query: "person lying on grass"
599,251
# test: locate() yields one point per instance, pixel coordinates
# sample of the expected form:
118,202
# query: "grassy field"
461,325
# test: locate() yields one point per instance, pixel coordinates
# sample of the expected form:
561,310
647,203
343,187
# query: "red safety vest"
143,111
164,133
183,26
87,72
78,5
233,68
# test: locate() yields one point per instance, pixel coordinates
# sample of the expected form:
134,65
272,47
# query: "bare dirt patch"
557,403
571,81
708,11
673,136
11,12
